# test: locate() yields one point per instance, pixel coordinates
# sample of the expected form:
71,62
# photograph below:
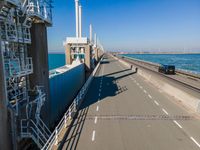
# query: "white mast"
95,39
90,33
80,21
77,17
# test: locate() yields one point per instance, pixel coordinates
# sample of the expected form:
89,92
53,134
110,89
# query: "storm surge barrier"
68,115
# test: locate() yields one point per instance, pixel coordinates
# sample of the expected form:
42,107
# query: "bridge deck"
122,111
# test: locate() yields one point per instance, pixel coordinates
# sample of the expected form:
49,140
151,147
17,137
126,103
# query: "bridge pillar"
68,56
39,52
88,57
5,124
96,51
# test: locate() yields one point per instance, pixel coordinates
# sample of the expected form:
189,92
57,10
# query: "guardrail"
157,65
73,108
139,63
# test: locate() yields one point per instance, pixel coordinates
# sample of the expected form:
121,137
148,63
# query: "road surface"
121,111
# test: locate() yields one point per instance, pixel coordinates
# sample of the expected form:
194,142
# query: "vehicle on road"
167,69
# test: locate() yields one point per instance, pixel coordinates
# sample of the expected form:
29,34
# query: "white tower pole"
77,17
80,21
90,33
95,39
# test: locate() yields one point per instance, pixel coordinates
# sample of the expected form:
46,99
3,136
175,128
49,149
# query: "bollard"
136,70
56,138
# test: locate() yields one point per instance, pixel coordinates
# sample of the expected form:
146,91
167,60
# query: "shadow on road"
110,87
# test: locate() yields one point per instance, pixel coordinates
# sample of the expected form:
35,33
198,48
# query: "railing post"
65,120
56,138
70,113
75,106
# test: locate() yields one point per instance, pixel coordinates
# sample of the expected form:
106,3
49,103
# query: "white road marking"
156,103
93,135
195,141
165,111
100,90
99,94
138,84
145,91
97,109
95,120
150,96
177,124
141,87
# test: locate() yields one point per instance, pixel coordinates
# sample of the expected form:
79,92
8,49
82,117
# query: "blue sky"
131,24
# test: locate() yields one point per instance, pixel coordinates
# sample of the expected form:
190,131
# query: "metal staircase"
24,103
38,132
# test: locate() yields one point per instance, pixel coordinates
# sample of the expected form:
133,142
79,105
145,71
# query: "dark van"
167,69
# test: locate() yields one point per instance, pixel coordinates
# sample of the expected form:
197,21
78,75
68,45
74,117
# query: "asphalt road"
123,112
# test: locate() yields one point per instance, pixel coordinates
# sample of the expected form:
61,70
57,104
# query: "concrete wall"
39,53
5,132
63,89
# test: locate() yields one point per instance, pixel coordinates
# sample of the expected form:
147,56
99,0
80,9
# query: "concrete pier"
39,53
96,54
87,48
5,132
68,55
88,57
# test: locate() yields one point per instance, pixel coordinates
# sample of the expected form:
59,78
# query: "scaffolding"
25,104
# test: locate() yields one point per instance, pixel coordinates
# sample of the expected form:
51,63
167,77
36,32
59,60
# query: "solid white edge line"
165,111
97,109
195,141
93,135
95,120
177,124
156,102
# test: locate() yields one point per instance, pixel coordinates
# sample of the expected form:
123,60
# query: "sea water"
56,60
186,62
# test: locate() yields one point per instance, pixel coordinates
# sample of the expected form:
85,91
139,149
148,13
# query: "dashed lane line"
165,111
177,124
95,120
149,96
195,141
97,109
156,102
93,135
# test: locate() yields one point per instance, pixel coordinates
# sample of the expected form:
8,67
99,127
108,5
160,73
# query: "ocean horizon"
185,62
